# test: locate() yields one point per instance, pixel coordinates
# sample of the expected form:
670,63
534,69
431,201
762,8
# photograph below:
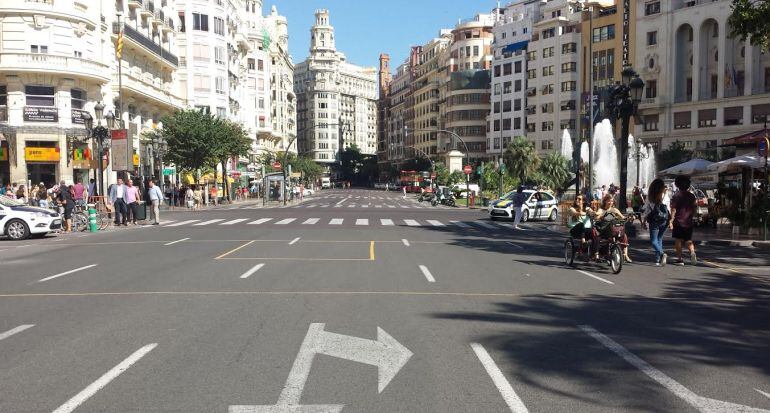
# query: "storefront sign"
38,114
626,35
82,158
77,116
41,154
136,159
120,150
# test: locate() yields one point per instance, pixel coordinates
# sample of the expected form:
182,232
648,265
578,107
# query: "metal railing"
133,34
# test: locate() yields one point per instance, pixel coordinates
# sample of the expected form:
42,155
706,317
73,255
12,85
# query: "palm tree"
521,158
554,170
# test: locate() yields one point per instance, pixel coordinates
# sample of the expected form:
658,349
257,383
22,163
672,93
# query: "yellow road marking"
291,259
371,251
234,250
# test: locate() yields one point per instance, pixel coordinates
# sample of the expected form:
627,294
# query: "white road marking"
311,221
286,221
405,241
341,201
250,272
515,245
404,206
260,221
336,221
94,387
509,395
390,206
67,272
165,223
21,328
460,224
212,221
427,274
352,206
763,393
505,224
378,206
703,404
233,222
593,276
411,223
483,224
362,221
177,241
179,224
386,222
436,223
294,241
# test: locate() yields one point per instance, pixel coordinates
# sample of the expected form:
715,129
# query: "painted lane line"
460,224
484,224
294,241
390,206
503,386
595,277
94,387
436,223
700,403
386,222
21,328
336,221
427,274
233,222
505,224
260,221
405,241
352,206
67,272
311,221
250,272
286,221
209,222
179,224
404,206
763,393
411,223
177,241
515,245
166,223
362,221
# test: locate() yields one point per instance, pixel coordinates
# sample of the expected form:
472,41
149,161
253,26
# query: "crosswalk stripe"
404,206
411,223
436,223
352,206
378,206
386,222
336,221
460,224
209,222
391,206
286,221
484,224
311,221
505,224
235,221
362,222
165,223
260,221
179,224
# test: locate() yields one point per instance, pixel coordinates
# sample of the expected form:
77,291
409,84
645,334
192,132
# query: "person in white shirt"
118,198
155,196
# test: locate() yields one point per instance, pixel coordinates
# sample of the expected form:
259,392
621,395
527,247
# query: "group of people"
658,211
61,196
125,197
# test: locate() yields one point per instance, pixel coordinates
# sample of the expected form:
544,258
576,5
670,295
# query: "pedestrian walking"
64,196
118,198
656,214
132,201
155,197
403,188
214,194
518,202
189,198
683,207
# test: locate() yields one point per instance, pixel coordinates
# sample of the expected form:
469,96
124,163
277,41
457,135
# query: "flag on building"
119,48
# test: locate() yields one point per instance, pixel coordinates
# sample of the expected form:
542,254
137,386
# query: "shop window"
78,100
40,95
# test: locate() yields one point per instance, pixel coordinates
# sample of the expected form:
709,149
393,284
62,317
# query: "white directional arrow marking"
387,354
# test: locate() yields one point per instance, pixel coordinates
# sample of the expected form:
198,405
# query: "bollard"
92,227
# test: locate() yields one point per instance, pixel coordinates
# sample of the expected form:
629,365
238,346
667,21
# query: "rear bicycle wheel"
79,222
569,252
102,221
616,258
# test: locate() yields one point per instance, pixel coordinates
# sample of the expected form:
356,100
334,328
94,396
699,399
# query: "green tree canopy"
554,170
749,21
188,135
521,159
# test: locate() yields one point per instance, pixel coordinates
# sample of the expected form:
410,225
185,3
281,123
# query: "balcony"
132,4
149,45
160,17
149,87
46,63
169,26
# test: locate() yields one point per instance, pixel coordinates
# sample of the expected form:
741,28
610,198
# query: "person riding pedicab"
581,226
606,216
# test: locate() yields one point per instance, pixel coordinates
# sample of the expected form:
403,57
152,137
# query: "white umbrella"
691,167
738,163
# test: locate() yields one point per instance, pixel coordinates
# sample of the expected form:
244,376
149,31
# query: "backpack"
658,215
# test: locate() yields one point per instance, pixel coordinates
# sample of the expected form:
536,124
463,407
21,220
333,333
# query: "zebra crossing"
355,222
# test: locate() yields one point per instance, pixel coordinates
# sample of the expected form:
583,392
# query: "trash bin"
141,211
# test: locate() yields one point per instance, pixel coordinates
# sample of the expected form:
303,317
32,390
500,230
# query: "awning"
514,47
749,139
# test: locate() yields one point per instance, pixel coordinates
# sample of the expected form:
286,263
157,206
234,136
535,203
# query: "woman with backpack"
656,214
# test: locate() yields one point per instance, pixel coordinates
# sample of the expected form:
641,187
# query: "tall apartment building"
401,110
384,78
274,37
57,60
553,82
512,33
426,94
467,81
701,85
336,100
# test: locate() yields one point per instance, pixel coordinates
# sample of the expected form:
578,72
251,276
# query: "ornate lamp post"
101,136
638,155
623,101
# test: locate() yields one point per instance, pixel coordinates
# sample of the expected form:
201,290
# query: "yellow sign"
41,154
3,154
136,159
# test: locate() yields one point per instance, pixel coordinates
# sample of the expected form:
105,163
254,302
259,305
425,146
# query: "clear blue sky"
366,28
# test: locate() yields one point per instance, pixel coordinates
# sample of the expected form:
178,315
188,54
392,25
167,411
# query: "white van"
326,183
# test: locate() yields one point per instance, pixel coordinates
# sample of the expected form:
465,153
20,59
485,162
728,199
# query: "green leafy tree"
187,133
749,21
442,174
554,170
230,141
455,177
675,154
521,159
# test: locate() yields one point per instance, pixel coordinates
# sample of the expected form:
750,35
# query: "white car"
539,205
308,192
19,221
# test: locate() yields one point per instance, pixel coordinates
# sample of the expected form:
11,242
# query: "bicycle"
610,246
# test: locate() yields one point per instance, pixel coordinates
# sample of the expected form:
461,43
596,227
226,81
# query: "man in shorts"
683,207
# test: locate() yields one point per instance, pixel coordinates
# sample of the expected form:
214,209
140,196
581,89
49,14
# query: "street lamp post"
639,155
100,134
623,100
467,153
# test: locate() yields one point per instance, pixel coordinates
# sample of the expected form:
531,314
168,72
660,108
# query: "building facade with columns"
702,86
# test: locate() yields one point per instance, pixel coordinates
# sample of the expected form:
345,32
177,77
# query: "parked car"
539,205
19,221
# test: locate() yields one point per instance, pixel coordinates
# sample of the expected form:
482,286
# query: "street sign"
276,165
387,354
168,171
467,169
762,147
120,150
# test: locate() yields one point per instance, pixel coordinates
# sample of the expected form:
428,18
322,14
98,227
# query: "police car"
19,221
538,205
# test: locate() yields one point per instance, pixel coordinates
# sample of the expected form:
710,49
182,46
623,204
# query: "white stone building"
702,86
336,100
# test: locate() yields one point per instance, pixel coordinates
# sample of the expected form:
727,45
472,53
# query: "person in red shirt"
683,207
79,190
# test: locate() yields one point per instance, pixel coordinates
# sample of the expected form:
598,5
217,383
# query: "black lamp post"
623,101
100,134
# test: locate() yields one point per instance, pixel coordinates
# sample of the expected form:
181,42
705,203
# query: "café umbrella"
691,167
738,163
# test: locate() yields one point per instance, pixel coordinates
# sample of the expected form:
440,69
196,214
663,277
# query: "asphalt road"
383,306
